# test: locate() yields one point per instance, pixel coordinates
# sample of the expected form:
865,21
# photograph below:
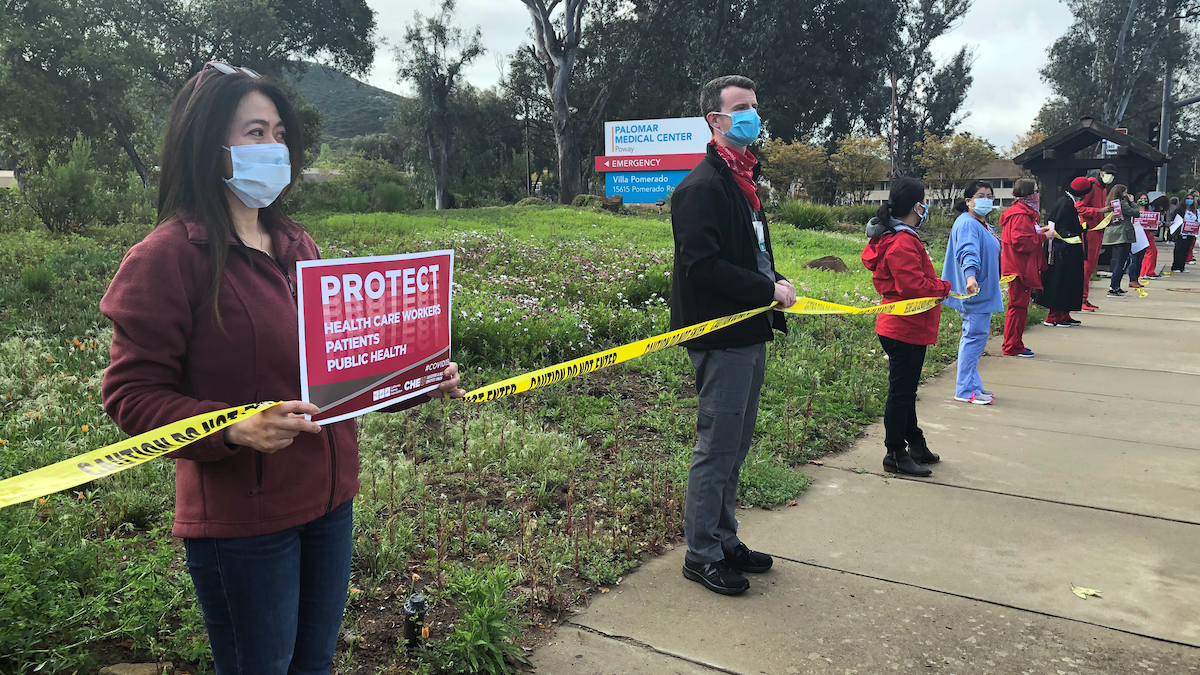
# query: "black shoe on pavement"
743,559
1072,323
921,454
902,463
717,577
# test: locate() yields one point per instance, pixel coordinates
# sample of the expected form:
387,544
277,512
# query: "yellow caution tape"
1103,223
111,459
1069,240
611,357
117,457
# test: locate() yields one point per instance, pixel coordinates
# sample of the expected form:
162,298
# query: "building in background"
1000,173
8,179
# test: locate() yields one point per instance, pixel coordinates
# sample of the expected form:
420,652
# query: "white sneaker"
977,399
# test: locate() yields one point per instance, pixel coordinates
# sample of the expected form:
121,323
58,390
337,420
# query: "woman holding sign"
1151,221
1185,228
204,317
1121,235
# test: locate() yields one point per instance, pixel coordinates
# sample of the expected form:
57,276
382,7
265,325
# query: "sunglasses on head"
225,68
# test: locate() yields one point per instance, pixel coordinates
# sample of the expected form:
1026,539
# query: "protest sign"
1148,221
373,331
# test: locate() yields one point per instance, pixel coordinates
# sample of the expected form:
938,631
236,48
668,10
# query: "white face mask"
260,172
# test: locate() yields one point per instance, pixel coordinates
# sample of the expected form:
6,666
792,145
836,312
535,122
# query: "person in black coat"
1062,282
724,264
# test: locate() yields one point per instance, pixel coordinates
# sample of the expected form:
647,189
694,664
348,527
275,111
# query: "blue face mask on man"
260,172
745,128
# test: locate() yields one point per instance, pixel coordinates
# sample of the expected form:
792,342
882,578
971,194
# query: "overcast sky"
1010,38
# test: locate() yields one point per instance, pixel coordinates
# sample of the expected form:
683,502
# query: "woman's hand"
1046,232
449,386
972,286
274,428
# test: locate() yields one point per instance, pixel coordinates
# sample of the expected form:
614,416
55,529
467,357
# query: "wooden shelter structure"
1055,163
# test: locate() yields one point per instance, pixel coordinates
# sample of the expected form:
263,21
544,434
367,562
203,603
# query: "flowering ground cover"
505,514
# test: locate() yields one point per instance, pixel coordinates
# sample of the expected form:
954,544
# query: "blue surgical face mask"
260,172
745,129
1189,202
983,205
924,214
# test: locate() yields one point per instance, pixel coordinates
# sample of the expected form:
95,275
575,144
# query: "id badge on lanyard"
758,232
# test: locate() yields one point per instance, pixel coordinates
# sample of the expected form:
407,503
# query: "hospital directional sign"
642,187
649,163
645,159
656,137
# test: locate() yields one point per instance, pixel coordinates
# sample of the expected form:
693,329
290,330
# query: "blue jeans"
728,382
1121,254
273,603
975,329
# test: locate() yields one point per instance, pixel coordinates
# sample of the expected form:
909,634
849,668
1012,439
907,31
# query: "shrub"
122,198
533,201
807,216
859,214
585,200
15,215
391,197
484,639
361,186
37,279
64,195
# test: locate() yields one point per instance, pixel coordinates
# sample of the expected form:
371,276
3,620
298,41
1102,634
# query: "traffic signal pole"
1164,126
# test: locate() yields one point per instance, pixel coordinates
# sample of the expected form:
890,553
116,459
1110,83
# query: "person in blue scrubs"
972,267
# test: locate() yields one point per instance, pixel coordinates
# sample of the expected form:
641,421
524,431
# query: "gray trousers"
728,382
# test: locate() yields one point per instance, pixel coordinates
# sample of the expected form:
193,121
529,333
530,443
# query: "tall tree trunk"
127,144
439,148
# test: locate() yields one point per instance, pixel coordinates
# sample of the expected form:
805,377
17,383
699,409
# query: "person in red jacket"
902,270
204,318
1092,209
1022,252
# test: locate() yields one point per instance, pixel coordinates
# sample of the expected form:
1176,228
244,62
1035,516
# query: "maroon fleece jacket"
170,360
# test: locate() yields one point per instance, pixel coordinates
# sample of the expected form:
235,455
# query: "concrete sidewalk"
1086,471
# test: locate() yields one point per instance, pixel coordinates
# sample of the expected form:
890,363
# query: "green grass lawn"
514,509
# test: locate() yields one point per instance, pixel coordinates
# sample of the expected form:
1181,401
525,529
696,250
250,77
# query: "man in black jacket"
724,264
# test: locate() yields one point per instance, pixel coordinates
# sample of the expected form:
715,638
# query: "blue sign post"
642,187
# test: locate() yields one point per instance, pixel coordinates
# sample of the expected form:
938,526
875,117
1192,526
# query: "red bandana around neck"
742,165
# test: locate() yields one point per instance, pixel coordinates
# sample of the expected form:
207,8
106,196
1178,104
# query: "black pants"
1182,246
900,414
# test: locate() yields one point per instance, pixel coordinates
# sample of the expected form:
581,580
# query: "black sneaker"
717,577
1072,323
743,559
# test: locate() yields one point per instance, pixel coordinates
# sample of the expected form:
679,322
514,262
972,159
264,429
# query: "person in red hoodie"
902,270
1092,209
204,318
1022,253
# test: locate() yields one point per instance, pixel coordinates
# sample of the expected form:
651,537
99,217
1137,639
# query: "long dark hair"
191,184
906,193
969,193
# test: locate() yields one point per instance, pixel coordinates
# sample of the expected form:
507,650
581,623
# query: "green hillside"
351,108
